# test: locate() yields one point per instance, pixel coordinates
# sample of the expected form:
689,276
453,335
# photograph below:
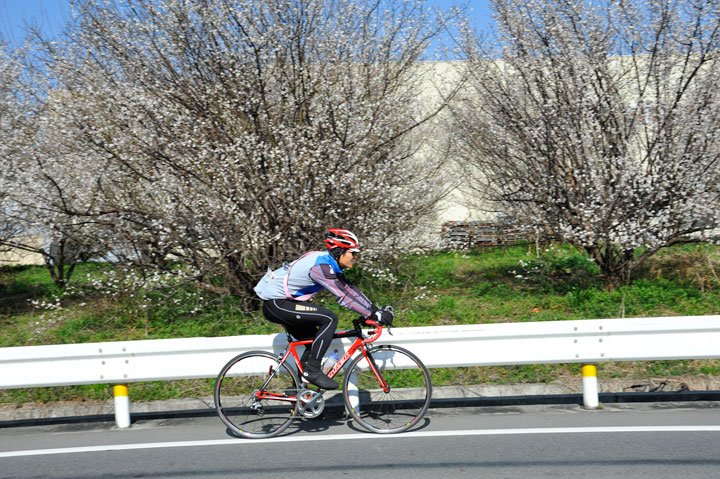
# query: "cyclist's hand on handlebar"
384,316
388,315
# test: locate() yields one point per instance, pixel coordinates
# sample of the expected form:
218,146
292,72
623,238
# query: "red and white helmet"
339,238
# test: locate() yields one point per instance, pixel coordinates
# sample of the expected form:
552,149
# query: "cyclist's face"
347,260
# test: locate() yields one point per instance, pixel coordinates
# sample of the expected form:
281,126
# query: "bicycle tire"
406,401
235,399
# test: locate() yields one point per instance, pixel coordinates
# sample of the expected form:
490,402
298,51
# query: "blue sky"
50,15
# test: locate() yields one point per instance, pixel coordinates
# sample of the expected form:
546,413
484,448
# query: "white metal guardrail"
586,341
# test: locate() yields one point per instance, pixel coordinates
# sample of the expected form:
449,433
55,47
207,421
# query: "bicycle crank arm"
315,397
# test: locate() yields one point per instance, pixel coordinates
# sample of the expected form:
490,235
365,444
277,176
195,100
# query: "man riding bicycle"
285,293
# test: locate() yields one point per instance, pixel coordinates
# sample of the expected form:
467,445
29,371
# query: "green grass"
510,284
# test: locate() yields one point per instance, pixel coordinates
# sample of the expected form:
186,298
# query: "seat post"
289,336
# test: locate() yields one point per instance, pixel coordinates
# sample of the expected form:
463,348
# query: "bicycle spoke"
404,402
251,395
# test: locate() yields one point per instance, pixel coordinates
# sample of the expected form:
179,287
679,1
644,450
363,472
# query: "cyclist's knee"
332,319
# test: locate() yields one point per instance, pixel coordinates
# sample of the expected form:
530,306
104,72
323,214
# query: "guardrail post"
590,386
122,405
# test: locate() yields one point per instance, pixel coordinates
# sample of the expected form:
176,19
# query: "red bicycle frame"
359,343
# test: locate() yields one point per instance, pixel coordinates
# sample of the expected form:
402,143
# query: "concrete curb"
443,397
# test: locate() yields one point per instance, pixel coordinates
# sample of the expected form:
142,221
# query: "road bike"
386,389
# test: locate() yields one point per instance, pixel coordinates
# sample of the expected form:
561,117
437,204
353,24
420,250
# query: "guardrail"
587,341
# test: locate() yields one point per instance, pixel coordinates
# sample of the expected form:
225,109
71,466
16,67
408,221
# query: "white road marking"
355,437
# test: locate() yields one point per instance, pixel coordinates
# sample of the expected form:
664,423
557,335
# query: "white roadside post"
590,386
122,406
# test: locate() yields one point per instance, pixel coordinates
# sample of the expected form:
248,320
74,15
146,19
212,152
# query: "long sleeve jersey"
309,275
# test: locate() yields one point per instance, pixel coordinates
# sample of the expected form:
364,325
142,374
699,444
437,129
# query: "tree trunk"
616,265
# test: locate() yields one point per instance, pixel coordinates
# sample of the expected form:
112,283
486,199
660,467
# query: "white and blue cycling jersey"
309,275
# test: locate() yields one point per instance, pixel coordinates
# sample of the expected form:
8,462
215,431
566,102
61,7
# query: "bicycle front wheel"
394,408
254,395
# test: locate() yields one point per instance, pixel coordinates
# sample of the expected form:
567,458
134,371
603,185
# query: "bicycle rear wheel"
406,399
252,395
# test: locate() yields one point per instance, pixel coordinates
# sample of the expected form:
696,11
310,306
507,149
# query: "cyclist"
285,293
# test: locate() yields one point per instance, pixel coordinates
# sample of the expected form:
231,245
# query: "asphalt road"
639,440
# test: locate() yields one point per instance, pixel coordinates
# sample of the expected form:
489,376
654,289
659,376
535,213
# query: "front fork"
367,352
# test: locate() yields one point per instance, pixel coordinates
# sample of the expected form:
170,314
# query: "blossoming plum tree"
34,188
219,137
598,122
9,73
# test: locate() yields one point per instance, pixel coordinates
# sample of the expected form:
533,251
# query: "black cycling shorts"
304,321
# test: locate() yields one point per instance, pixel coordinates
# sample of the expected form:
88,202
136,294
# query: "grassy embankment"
513,284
